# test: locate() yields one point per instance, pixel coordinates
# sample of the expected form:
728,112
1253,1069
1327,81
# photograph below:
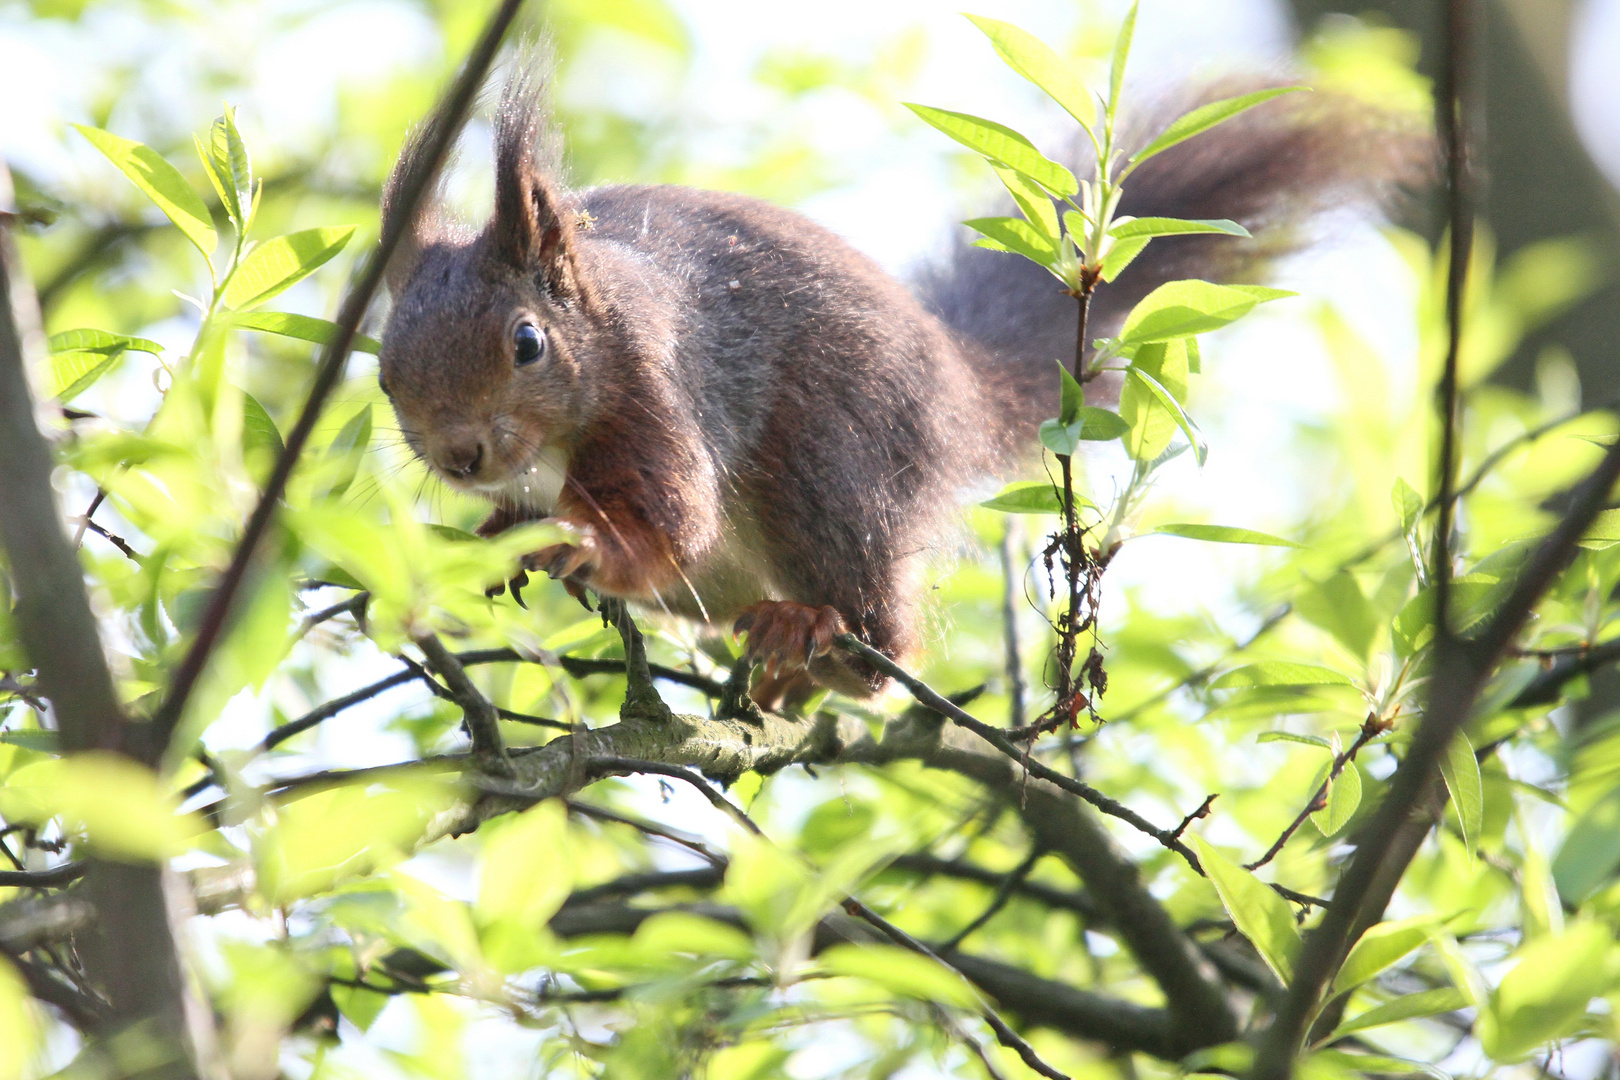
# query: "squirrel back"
746,420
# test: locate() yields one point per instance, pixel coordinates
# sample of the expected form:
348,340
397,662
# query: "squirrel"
746,421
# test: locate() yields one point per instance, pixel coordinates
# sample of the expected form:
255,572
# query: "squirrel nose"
460,459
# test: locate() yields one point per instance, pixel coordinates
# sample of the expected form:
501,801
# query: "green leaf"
359,1007
1034,60
162,183
100,341
1116,70
128,813
1122,254
1289,736
43,742
302,327
1461,771
1591,851
1344,797
1151,425
524,873
1205,117
1016,234
1100,425
1410,1007
1173,407
1544,996
80,357
1000,144
1033,200
1381,1064
1604,531
1262,916
259,431
1163,226
349,449
281,263
1179,309
1538,894
1408,504
1073,396
1224,534
225,158
1381,946
1279,673
901,971
72,373
1033,497
1062,439
1091,425
675,932
1338,606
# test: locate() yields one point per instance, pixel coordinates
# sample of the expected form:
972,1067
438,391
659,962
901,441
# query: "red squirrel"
745,420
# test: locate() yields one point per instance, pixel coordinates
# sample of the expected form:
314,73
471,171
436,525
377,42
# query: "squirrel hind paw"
787,636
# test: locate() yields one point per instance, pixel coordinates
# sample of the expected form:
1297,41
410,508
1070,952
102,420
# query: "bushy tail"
1272,169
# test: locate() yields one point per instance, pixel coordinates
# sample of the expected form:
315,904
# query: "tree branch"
130,952
476,709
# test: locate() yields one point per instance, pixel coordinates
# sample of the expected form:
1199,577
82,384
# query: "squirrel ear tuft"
533,225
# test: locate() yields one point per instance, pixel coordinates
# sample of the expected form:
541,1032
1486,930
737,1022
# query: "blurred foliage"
359,953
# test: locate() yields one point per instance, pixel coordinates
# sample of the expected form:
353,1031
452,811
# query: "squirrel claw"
519,580
787,636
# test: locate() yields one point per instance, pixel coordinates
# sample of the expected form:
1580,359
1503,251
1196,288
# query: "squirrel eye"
529,343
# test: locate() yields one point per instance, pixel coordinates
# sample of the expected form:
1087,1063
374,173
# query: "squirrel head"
485,352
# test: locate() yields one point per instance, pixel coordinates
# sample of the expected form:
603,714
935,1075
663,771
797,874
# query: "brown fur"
753,416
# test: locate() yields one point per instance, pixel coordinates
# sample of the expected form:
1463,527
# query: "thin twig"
1371,728
114,539
1004,892
930,697
640,695
1198,814
1004,1034
1009,622
580,666
54,878
476,709
1454,120
663,832
356,603
419,180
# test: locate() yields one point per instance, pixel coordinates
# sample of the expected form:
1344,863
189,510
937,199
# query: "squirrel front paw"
572,564
786,635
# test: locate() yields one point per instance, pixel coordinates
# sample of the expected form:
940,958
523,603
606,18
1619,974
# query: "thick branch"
723,748
132,953
1044,1002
